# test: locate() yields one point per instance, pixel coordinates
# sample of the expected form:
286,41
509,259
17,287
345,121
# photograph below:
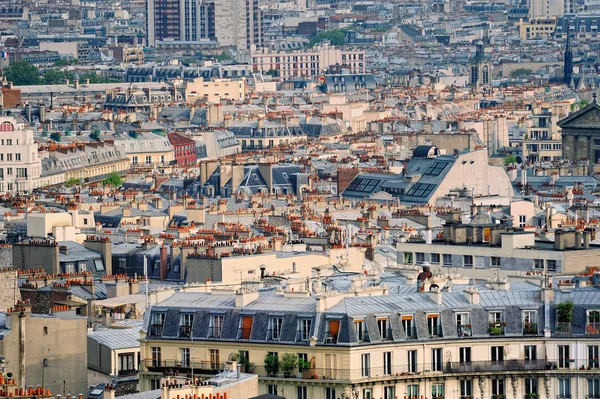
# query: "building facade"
20,165
459,344
581,134
480,69
310,62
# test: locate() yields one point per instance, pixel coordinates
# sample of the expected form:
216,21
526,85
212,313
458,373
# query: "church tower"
568,64
480,68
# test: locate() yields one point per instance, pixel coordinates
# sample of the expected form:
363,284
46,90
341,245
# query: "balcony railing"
201,366
185,331
123,373
498,365
563,328
244,333
411,333
592,328
331,338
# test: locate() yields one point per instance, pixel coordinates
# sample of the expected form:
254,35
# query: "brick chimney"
163,262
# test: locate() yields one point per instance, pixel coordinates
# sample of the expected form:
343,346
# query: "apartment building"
145,149
542,141
20,165
310,62
462,343
478,250
539,28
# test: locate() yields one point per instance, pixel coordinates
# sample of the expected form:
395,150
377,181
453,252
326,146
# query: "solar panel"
436,168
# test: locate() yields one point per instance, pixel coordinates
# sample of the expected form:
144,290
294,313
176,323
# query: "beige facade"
58,339
20,165
215,90
307,62
537,28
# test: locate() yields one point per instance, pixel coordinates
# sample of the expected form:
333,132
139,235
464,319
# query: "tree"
65,62
22,73
579,105
72,182
223,57
510,160
336,37
113,179
521,73
93,78
56,77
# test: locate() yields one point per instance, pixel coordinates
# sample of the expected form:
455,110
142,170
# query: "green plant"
22,73
288,362
113,179
72,182
564,312
510,160
271,364
303,364
495,331
56,136
95,135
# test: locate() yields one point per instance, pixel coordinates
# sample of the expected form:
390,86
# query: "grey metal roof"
118,338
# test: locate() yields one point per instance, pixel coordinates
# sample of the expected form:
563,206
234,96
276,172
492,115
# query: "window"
276,323
466,388
382,324
330,393
464,355
593,356
530,352
437,391
522,220
390,392
420,257
498,388
593,322
408,258
463,325
593,388
301,392
407,325
551,265
148,160
333,328
156,357
184,357
365,364
433,325
185,325
436,359
531,386
154,384
387,363
435,259
245,327
412,361
134,160
216,326
9,157
359,327
447,258
45,330
538,264
564,357
272,389
497,354
305,325
564,388
467,260
367,393
215,361
495,261
529,322
158,320
8,142
17,156
9,171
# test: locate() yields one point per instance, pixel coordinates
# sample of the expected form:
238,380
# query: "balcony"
185,331
331,338
563,328
496,328
200,367
127,373
493,366
465,331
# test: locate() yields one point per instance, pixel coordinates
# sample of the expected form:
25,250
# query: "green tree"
337,37
521,73
223,57
93,78
579,105
22,73
510,160
72,182
65,62
56,77
113,179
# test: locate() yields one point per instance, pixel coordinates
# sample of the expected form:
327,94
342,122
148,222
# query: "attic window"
284,174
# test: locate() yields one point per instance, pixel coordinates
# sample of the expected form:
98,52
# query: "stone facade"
581,134
9,294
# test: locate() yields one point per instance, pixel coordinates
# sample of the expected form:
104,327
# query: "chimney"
578,239
436,296
163,262
42,113
586,239
472,295
76,84
244,297
559,240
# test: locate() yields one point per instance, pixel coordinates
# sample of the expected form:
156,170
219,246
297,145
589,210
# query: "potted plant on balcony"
304,368
532,395
271,365
288,362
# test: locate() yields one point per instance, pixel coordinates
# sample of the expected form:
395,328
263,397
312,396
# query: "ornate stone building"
581,134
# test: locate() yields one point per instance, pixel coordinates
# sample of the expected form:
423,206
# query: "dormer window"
275,324
383,325
185,325
592,325
407,325
216,326
157,322
333,329
304,326
245,327
463,324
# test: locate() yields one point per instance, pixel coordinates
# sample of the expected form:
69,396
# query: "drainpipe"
22,348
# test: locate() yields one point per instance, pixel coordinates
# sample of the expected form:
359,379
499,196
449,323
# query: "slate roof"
118,338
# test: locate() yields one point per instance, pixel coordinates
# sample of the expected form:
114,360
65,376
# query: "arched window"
7,127
486,75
